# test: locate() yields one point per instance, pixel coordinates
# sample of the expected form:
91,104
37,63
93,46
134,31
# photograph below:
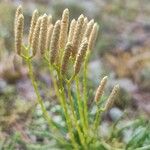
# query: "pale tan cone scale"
54,44
64,29
88,29
19,34
77,35
83,29
35,40
32,26
18,12
71,30
49,35
80,56
93,37
43,33
100,89
111,98
65,59
49,20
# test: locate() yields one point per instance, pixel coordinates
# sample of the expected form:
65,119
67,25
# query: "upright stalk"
97,117
81,136
39,99
85,91
61,97
79,102
70,100
68,120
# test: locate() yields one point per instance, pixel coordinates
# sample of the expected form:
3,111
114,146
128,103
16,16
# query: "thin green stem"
69,124
98,117
81,136
85,91
79,101
54,82
70,100
46,116
61,97
68,120
39,99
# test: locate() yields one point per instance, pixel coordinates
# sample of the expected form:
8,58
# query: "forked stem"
62,100
68,120
81,136
46,116
79,102
97,117
85,90
39,99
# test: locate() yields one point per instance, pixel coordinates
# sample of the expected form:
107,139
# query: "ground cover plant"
65,48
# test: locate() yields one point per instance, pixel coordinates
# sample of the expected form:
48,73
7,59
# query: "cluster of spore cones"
60,43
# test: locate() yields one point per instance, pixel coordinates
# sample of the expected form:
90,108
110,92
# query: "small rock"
125,84
115,113
3,85
95,71
25,89
104,129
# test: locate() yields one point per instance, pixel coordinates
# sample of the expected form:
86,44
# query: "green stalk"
61,98
70,100
79,102
55,84
82,139
45,114
39,99
68,120
85,91
97,118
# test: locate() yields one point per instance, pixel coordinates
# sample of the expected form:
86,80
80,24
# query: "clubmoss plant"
61,45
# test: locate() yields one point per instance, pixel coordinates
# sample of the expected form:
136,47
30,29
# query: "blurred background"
122,52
